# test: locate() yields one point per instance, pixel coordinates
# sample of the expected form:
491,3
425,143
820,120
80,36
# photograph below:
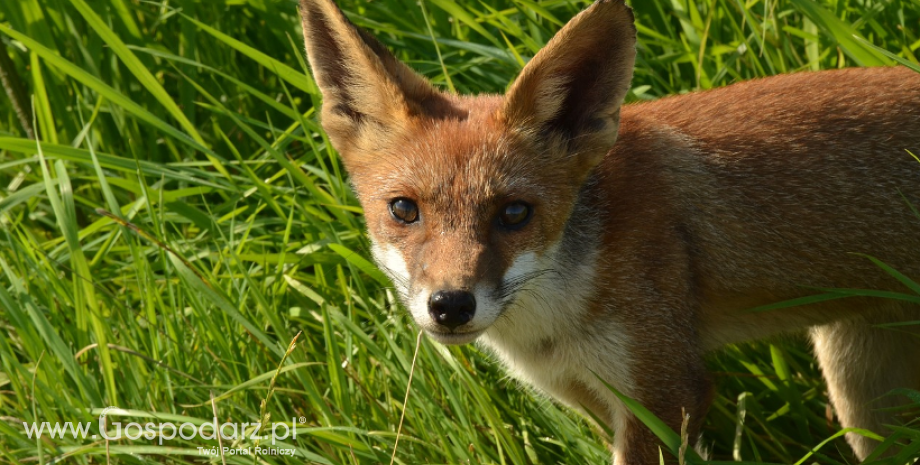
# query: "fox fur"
653,227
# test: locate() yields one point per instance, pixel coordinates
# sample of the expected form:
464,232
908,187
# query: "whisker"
512,286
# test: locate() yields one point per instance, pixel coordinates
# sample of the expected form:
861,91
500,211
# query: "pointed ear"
570,93
366,91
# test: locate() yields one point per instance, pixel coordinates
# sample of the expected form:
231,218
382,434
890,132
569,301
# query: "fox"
585,241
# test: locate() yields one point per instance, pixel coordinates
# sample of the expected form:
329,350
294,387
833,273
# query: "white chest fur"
546,338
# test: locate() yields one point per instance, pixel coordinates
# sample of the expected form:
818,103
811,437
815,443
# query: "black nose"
452,308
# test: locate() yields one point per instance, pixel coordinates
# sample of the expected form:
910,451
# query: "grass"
181,218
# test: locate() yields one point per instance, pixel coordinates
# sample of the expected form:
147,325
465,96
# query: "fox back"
583,240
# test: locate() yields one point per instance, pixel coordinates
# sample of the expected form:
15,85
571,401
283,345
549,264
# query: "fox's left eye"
515,215
404,210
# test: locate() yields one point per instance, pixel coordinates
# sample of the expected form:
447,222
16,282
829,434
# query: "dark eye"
404,210
515,215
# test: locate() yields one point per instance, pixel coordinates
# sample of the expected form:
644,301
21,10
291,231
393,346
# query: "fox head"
466,196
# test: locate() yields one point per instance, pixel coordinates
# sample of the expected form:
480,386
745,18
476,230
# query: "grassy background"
195,121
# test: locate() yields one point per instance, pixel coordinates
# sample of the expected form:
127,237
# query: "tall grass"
181,217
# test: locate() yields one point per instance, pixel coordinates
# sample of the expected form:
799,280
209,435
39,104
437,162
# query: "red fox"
579,238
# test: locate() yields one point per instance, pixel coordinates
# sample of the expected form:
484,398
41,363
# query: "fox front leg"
671,383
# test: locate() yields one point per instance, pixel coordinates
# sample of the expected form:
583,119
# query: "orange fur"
653,226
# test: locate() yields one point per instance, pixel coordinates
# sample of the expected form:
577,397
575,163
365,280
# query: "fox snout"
452,308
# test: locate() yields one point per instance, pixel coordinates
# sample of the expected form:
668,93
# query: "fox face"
466,198
459,216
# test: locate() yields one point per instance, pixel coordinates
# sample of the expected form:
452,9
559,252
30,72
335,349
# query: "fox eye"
404,210
515,215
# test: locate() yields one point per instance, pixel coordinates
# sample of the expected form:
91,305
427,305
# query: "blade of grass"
136,68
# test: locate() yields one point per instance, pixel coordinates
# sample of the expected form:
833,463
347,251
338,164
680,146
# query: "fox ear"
570,93
366,91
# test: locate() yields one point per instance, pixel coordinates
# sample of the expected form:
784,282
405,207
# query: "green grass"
194,122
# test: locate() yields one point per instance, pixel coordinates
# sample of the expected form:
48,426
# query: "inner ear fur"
364,87
570,93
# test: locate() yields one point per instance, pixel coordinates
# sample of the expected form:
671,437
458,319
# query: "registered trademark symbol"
303,420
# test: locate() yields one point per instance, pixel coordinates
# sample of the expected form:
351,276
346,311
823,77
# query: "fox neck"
556,334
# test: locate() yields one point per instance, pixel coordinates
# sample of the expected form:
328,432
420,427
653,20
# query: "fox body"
579,238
